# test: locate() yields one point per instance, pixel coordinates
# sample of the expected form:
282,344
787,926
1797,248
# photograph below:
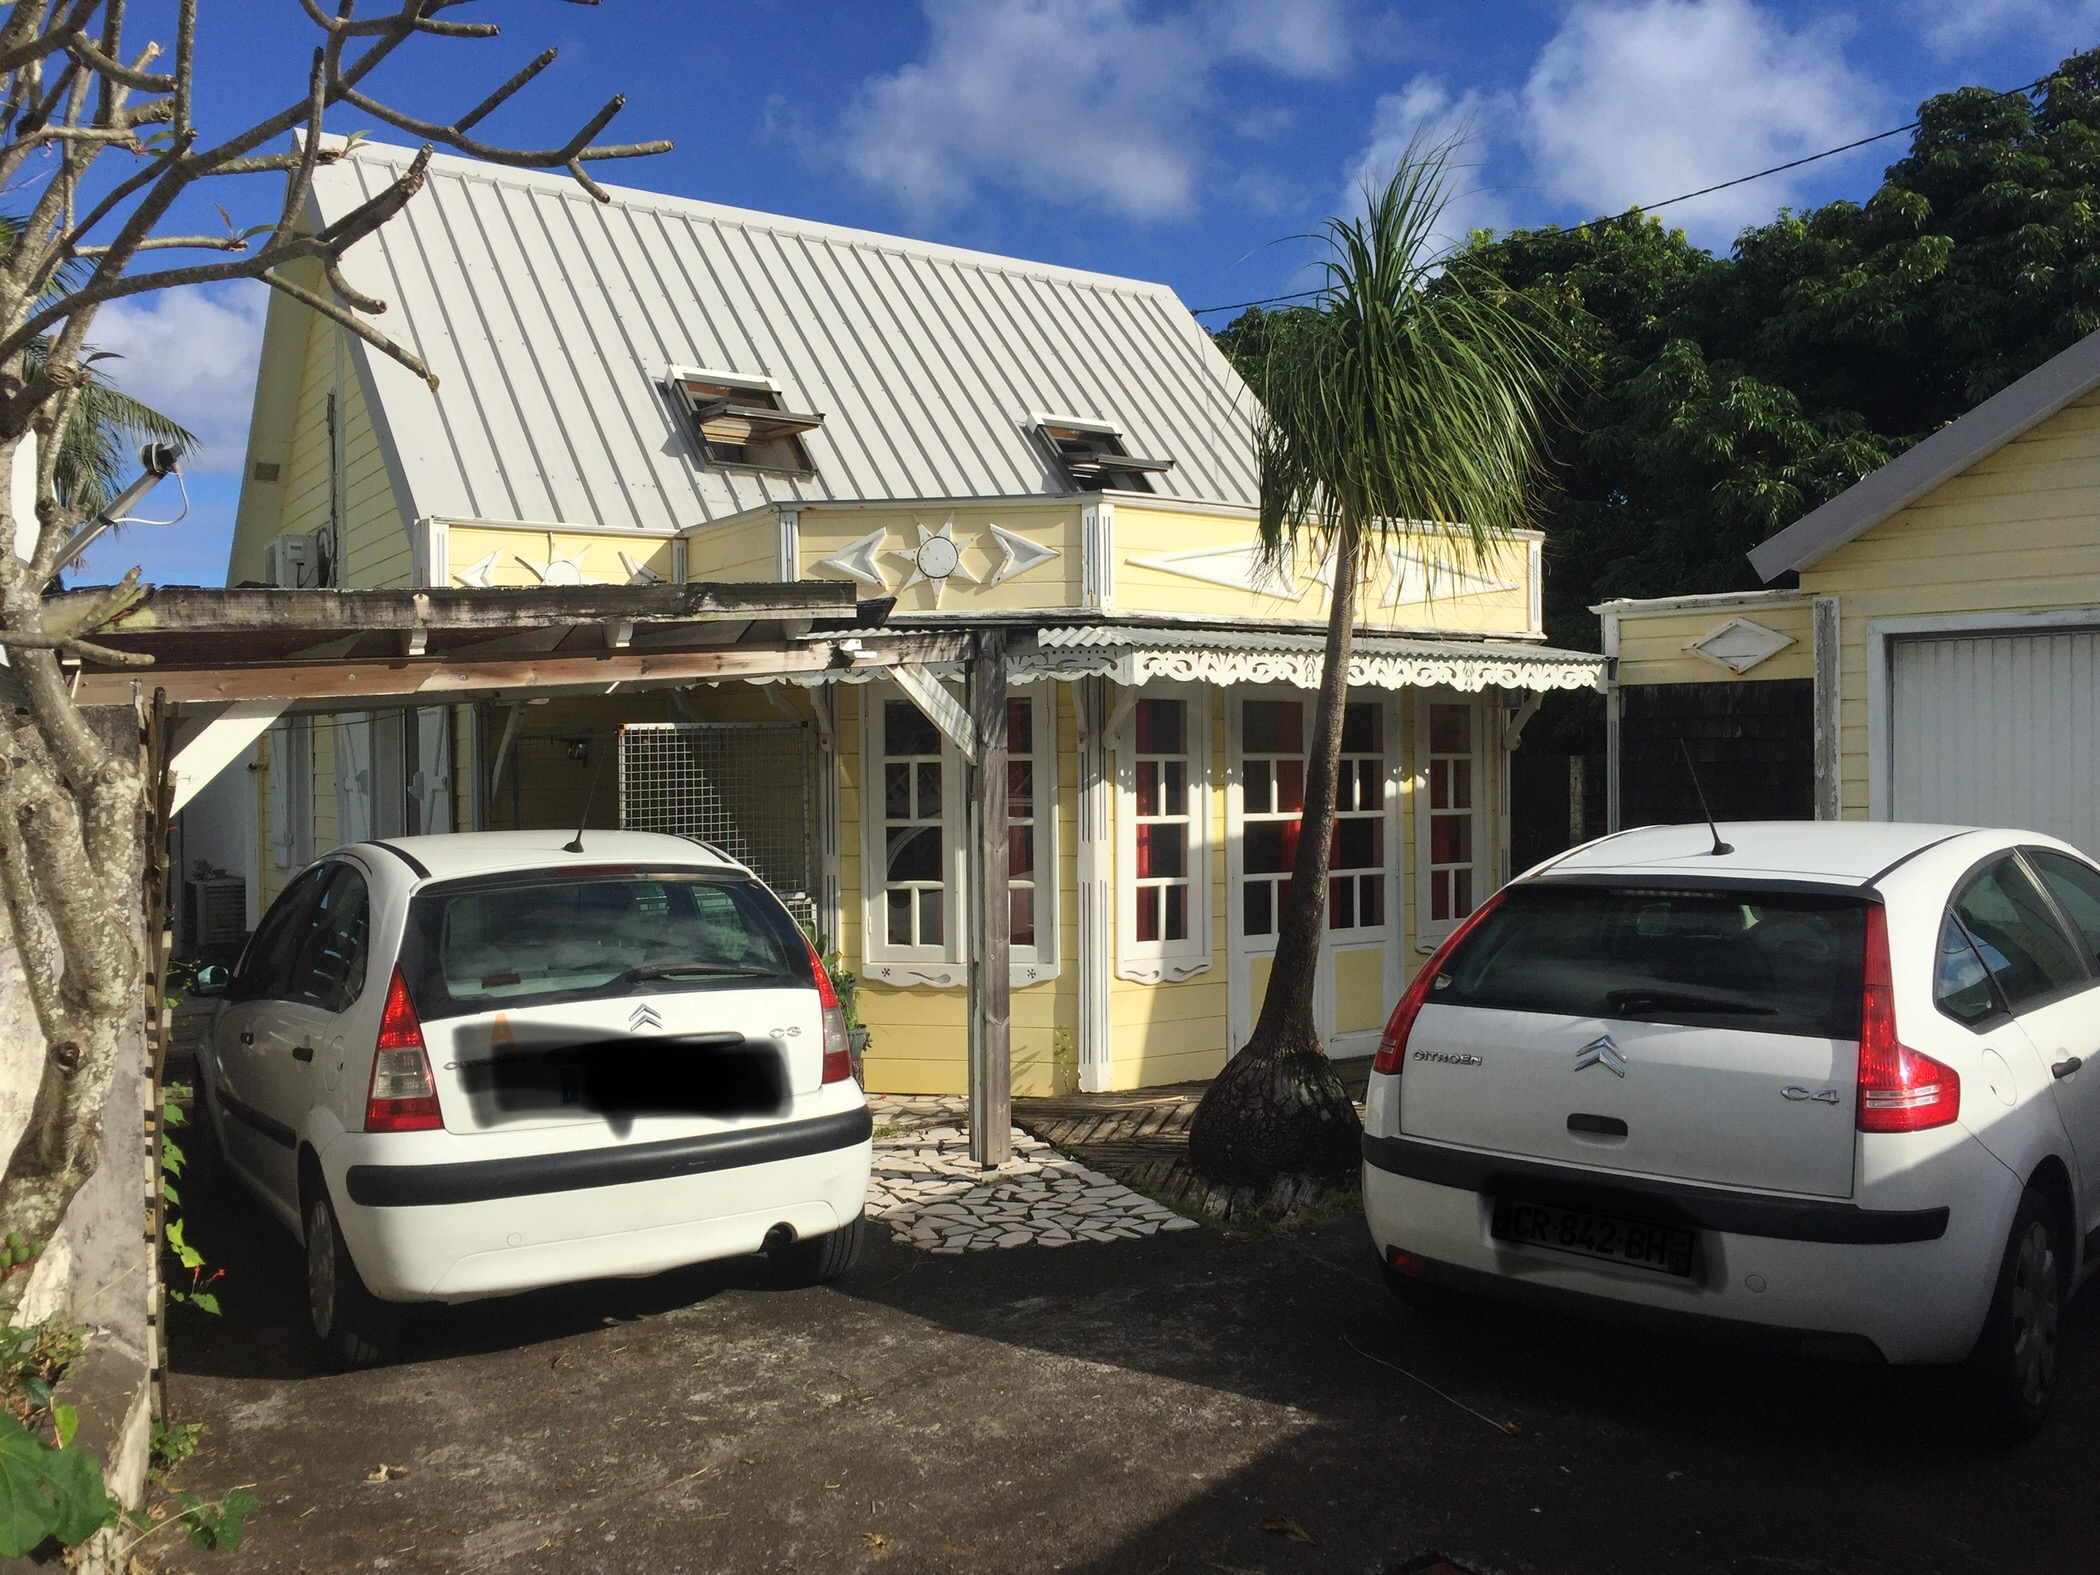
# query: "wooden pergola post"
990,934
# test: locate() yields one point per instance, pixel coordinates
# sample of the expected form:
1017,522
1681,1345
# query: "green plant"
173,1443
1064,1060
172,1163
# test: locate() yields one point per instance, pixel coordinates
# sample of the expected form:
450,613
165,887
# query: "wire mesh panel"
743,786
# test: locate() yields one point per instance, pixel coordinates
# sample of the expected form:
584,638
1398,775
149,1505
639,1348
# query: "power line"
1650,207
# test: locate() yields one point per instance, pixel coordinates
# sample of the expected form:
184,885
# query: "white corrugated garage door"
1998,730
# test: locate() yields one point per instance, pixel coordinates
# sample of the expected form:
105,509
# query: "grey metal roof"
552,320
2070,374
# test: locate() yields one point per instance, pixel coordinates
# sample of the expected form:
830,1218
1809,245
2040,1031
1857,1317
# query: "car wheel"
818,1260
354,1327
2013,1366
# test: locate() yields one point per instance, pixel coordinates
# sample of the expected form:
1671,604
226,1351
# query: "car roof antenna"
575,844
1691,771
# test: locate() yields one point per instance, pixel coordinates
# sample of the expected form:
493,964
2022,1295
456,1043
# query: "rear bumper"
424,1228
1913,1284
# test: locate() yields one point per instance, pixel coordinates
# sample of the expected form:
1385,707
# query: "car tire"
818,1260
353,1327
2012,1371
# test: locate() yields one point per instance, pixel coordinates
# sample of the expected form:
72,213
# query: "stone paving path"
930,1194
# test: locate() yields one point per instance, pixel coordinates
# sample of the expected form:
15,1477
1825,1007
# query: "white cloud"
1638,100
1076,101
1426,115
1951,25
190,354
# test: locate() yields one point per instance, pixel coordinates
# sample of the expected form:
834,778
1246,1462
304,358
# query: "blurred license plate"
1667,1249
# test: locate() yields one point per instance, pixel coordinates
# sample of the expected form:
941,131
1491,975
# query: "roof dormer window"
740,422
1094,457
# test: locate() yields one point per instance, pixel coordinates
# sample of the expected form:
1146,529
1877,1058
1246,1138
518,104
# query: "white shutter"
1998,730
353,778
432,783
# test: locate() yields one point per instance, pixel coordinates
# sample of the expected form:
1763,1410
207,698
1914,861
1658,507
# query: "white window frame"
945,966
1431,933
1164,961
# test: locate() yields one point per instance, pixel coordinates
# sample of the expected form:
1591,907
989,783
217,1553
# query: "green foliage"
172,1163
1710,401
47,1491
211,1524
173,1443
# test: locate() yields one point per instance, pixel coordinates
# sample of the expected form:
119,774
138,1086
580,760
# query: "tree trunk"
1278,1107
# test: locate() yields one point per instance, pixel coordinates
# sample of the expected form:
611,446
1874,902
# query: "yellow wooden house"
662,389
1936,658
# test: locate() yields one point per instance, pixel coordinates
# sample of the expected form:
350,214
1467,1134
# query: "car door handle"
302,1052
246,1037
2067,1066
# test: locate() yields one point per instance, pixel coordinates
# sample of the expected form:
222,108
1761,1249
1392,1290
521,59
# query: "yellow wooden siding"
1143,534
595,554
2018,531
1653,645
742,550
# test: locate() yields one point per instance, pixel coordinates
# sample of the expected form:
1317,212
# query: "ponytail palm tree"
1408,403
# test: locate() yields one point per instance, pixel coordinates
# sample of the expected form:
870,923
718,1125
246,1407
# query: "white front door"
1269,732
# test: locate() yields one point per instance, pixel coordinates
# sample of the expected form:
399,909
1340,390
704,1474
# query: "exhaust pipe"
778,1239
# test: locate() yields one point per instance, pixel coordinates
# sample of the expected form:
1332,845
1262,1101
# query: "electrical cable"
1650,207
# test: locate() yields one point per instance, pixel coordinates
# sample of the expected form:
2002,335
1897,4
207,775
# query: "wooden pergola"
222,665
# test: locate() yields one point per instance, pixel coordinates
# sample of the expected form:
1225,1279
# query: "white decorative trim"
787,545
1416,579
1157,962
1096,893
857,561
1301,669
481,573
430,547
1739,644
1097,555
1535,578
1019,555
941,976
936,560
638,572
1241,568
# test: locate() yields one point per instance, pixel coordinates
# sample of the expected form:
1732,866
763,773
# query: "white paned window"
915,817
1163,895
915,873
1448,816
1272,797
1356,861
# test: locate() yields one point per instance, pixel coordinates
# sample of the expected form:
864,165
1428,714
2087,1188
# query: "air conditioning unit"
292,562
215,911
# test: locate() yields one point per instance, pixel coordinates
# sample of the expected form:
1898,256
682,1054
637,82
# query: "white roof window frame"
789,456
1134,473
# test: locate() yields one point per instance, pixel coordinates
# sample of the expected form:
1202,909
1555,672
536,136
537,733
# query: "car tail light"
838,1051
403,1097
1899,1089
1392,1045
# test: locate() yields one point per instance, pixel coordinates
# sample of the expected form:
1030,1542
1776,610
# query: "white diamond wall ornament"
1419,579
1019,555
1242,568
1739,644
857,561
638,572
936,560
481,574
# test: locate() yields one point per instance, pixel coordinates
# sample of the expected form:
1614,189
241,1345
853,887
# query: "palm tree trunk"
1278,1107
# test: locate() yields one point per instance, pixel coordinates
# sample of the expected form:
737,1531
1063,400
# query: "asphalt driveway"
1189,1402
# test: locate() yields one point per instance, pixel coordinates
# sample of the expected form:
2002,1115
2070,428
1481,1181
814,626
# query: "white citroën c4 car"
457,1066
1837,1084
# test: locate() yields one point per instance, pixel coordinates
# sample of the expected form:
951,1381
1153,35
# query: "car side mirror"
212,980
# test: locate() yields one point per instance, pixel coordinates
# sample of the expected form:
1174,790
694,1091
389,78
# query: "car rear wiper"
1677,1001
681,970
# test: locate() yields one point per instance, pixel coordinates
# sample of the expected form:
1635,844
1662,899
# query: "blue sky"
1178,140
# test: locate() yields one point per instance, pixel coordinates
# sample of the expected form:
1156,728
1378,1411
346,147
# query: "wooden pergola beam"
436,680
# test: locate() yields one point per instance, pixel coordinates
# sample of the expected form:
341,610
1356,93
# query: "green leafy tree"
1409,403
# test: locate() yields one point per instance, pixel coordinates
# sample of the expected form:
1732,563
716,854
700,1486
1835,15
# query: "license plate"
1667,1249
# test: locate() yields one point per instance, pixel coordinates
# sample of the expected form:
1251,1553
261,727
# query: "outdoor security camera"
160,459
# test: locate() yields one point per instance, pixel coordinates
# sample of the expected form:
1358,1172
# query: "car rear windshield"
1768,962
495,945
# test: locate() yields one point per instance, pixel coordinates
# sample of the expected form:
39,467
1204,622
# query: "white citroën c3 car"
459,1066
1836,1084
